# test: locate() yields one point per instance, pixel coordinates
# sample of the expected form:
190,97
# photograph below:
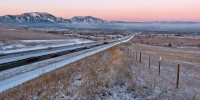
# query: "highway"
22,62
19,59
23,55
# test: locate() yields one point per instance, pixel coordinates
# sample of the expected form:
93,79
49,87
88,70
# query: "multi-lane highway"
13,60
26,61
23,55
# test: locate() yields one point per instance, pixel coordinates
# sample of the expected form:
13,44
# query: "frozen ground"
30,74
10,46
163,86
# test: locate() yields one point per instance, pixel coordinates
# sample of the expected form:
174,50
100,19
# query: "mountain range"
38,17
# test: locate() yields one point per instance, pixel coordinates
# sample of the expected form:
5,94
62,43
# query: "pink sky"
128,10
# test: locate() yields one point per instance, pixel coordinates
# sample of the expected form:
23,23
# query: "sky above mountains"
126,10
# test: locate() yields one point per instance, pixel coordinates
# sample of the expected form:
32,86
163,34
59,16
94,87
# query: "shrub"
170,44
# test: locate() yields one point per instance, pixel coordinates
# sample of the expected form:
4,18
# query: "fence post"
159,65
178,72
131,52
140,57
149,62
136,55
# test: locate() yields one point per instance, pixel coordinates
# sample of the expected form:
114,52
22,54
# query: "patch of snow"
119,93
8,47
34,14
187,47
51,20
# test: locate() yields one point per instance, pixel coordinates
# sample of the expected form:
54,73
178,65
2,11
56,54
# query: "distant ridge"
163,22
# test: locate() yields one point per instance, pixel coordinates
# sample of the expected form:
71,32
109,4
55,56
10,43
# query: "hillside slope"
16,33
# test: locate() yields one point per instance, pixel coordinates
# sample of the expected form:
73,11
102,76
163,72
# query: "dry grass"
161,40
163,86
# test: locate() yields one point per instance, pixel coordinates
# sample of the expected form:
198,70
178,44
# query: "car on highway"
32,58
54,54
86,48
105,42
48,48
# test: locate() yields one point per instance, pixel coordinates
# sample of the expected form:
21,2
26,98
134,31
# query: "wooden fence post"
140,57
149,62
136,56
159,66
178,72
131,52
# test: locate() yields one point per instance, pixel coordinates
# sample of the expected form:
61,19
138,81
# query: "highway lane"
53,47
12,58
2,56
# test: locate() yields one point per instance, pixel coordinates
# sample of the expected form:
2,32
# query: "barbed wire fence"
162,75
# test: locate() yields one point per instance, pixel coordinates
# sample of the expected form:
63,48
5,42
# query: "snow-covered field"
11,46
163,86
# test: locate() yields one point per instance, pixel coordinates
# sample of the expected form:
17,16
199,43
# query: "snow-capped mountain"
87,19
39,17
